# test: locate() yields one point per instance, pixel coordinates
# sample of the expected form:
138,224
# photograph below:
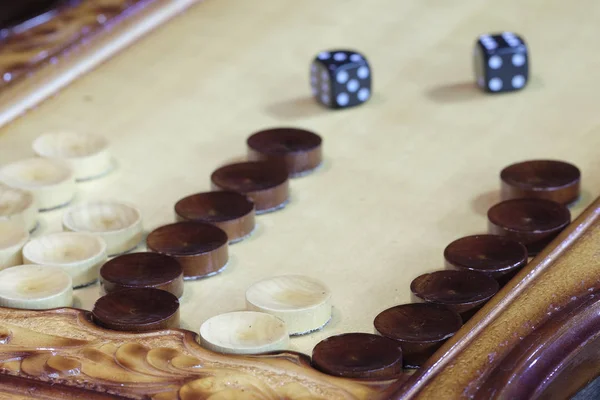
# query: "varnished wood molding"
43,55
64,347
537,338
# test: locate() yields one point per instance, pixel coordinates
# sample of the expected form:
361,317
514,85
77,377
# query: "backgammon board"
402,176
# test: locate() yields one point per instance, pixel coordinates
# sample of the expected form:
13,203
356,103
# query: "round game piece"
461,291
13,237
493,255
231,211
303,303
119,224
142,270
421,329
18,205
35,287
533,222
79,254
200,248
359,355
137,310
298,150
558,181
244,332
264,183
50,181
87,154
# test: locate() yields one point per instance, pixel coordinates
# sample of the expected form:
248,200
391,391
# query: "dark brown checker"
299,150
543,179
137,310
494,255
359,355
462,291
533,222
420,328
265,183
142,270
201,248
231,211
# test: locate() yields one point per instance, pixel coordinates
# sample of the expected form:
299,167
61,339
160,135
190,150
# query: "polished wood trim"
65,347
85,54
547,314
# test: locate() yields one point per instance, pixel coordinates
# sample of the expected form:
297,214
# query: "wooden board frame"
49,74
538,338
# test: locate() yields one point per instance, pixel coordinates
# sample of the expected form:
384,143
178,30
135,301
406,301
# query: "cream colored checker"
80,254
303,303
18,205
244,332
52,182
13,237
87,154
119,224
35,287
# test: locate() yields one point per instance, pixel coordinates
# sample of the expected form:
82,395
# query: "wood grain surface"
404,175
64,346
43,54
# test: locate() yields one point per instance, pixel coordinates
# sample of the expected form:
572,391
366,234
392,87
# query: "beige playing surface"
404,175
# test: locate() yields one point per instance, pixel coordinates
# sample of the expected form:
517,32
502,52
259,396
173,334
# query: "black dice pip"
501,62
340,78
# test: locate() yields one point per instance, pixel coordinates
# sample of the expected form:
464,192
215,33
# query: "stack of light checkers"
531,214
196,246
61,159
93,231
46,182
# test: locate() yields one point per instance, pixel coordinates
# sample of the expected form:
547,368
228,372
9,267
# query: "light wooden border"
17,99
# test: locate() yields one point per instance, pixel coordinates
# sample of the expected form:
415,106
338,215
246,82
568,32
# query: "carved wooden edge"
18,388
70,59
539,335
61,352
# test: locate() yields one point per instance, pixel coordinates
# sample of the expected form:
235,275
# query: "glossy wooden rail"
49,51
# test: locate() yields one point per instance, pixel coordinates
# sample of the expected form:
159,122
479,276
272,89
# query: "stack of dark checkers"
532,212
142,289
